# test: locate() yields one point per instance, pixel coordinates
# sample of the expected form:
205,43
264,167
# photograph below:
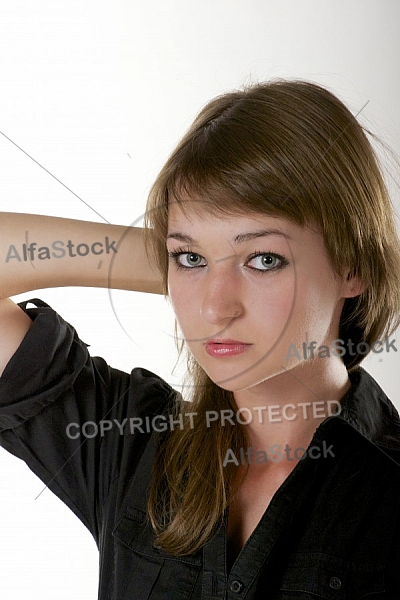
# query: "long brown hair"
289,149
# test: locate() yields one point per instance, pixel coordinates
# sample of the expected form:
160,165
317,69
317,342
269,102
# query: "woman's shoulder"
53,362
78,423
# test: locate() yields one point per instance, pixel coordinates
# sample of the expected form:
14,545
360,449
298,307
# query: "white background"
99,93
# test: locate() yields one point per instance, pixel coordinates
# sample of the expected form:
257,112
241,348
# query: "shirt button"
335,583
236,586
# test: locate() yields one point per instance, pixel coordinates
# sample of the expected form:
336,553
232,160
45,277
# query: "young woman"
274,236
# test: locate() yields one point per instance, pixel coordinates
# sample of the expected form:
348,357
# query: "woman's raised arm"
40,252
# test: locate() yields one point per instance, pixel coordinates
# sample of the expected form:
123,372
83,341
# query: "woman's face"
244,289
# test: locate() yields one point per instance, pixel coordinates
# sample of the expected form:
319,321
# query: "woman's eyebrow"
251,235
238,239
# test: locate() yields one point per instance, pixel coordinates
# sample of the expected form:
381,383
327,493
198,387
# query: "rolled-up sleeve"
49,391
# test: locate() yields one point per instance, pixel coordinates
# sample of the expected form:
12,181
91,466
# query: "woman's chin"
235,380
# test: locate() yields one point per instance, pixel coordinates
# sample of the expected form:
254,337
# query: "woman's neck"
288,407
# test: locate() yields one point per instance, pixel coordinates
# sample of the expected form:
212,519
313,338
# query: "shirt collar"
367,408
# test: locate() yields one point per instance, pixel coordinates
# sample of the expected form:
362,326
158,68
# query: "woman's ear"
352,285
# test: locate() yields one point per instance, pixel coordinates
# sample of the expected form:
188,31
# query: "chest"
248,507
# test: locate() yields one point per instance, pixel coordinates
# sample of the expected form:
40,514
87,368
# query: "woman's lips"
225,347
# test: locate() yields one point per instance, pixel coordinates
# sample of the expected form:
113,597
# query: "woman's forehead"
198,217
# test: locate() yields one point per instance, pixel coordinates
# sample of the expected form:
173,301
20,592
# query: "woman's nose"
221,298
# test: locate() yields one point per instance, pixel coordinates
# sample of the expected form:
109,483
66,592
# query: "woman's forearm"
41,252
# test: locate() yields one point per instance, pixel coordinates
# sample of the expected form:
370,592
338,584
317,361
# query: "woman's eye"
191,259
187,260
265,262
262,262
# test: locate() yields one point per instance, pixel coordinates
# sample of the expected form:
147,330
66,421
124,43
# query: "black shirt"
331,531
